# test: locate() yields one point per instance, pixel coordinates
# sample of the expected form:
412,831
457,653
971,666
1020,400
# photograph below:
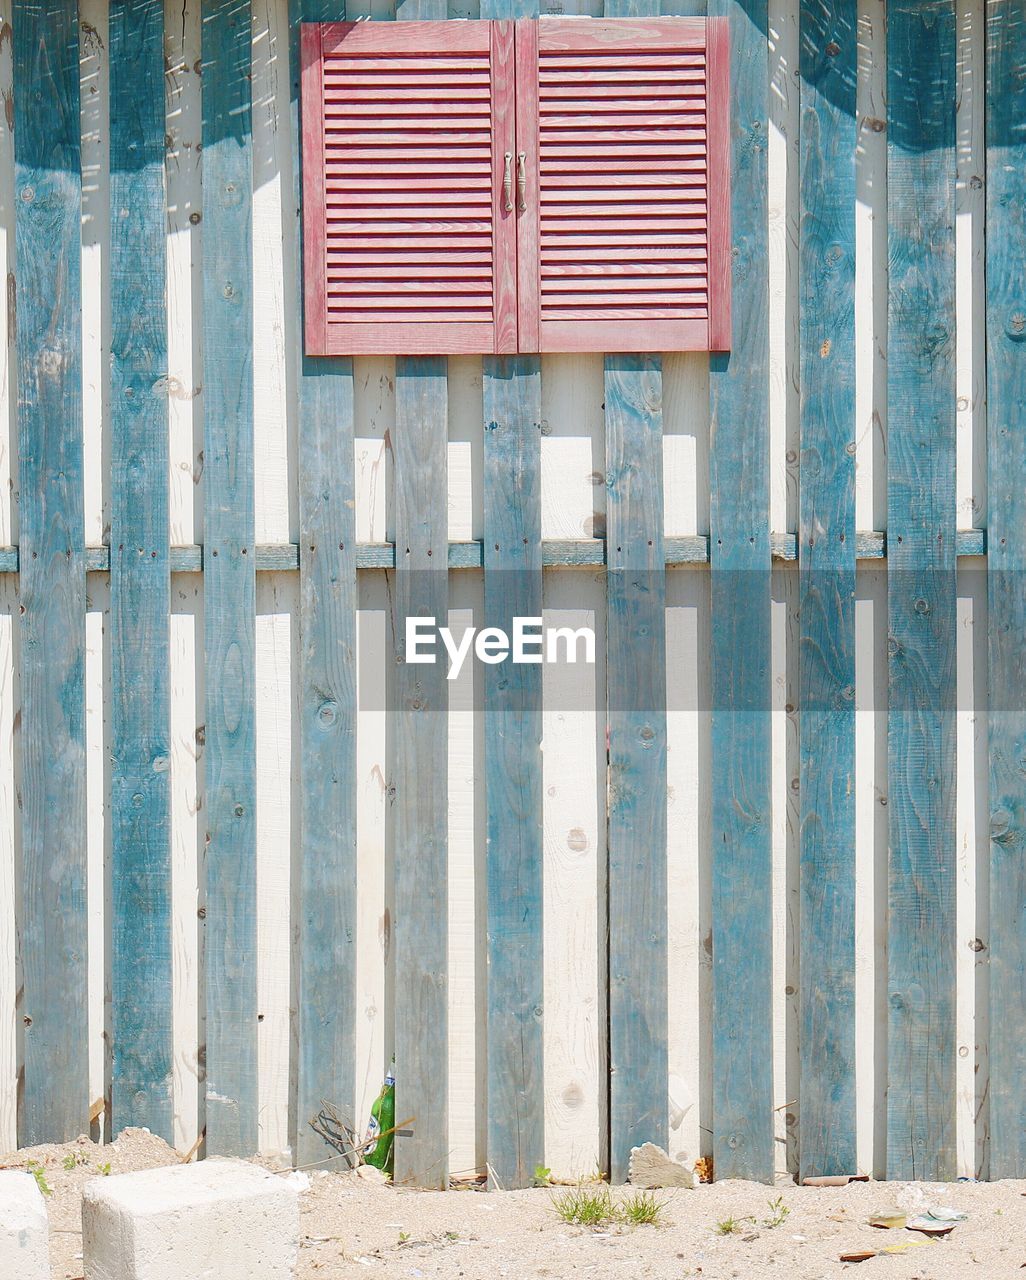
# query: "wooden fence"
245,854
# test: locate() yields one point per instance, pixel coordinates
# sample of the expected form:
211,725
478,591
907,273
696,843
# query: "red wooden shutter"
408,246
623,241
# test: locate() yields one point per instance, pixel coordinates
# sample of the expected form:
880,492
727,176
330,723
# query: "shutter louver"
631,176
405,129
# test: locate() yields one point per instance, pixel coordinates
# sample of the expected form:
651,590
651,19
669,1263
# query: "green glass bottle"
379,1152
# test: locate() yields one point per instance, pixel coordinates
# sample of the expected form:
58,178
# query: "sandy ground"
351,1228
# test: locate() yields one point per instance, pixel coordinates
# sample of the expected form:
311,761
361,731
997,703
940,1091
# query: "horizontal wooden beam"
557,553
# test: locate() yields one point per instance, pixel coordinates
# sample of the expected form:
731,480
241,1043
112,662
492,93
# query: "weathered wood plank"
740,604
829,54
636,726
140,582
921,589
422,784
421,775
1006,578
513,782
52,1005
230,582
327,893
636,712
513,766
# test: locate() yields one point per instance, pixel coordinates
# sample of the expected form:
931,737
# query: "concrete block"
24,1230
215,1220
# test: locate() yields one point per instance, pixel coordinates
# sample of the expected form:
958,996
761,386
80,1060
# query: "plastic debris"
891,1218
704,1169
835,1179
937,1222
862,1255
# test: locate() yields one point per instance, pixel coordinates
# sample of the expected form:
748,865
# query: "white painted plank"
186,696
276,506
8,422
574,790
95,112
871,270
573,486
375,850
871,870
972,891
466,449
467,884
10,837
685,444
374,421
783,264
689,879
277,846
784,780
98,886
970,295
184,269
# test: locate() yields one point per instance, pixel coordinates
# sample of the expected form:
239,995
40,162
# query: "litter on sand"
862,1255
937,1222
890,1218
835,1179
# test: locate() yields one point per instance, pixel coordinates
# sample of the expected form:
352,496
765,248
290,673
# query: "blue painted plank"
513,775
921,96
739,554
513,772
829,55
52,1005
421,776
1006,579
422,766
140,582
327,892
230,581
636,726
636,710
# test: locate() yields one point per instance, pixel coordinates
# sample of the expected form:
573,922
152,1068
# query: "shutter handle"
507,183
521,180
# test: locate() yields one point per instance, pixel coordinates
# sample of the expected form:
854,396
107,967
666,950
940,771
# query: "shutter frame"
333,58
357,278
572,318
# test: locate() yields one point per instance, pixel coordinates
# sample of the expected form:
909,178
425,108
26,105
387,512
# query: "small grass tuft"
104,1169
593,1206
732,1226
39,1174
778,1213
642,1209
583,1206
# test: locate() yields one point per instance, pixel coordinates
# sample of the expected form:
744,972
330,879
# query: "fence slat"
829,53
422,782
140,583
921,589
421,774
327,894
513,774
48,188
512,588
1006,579
739,554
636,722
230,581
636,710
